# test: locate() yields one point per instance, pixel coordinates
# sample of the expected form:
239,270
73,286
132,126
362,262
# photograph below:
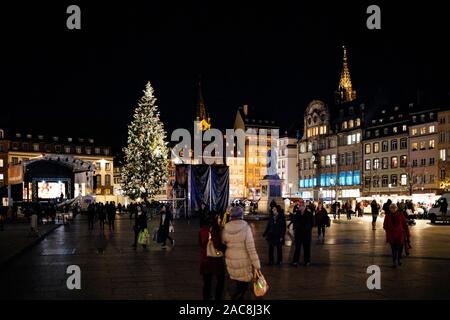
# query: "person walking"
241,257
375,209
91,216
275,233
140,224
321,221
165,224
111,215
211,267
336,207
359,209
396,230
101,213
386,206
303,224
443,209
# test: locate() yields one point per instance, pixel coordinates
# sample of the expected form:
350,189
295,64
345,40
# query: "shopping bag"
260,286
143,237
211,251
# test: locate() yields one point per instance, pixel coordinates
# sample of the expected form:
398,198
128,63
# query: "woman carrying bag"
211,258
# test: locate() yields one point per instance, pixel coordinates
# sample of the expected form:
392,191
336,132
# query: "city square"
195,153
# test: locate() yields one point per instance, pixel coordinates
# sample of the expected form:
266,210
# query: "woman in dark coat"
140,224
274,234
211,267
321,218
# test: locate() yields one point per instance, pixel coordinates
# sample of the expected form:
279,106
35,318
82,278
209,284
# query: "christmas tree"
146,156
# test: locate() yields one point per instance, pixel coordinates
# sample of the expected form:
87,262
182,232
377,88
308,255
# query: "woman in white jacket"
240,256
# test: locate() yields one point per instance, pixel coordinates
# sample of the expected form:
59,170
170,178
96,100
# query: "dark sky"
276,57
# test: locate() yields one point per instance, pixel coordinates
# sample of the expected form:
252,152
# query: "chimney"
245,108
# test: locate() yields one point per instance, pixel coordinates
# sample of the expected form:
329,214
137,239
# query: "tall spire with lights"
201,110
345,91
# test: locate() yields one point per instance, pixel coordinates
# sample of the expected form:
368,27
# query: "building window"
88,150
78,150
431,161
58,149
377,133
394,130
394,180
442,154
394,162
403,179
414,146
423,162
431,129
1,163
414,163
414,132
376,147
384,146
422,145
350,124
67,149
97,150
367,182
15,160
403,161
384,181
349,178
404,128
106,151
98,180
107,180
344,125
376,181
386,131
98,166
442,174
1,177
376,164
431,144
107,166
367,134
367,148
393,144
432,178
333,159
385,163
357,122
367,166
423,130
403,143
25,146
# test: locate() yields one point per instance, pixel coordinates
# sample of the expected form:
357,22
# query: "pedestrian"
275,233
359,209
443,209
336,207
101,213
396,229
119,208
386,206
203,213
303,224
91,216
140,224
348,210
321,221
240,256
111,215
165,226
211,267
375,209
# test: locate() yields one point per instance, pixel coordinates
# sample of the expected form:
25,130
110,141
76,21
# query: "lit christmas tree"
146,156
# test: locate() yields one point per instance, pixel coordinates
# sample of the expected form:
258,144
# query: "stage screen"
51,190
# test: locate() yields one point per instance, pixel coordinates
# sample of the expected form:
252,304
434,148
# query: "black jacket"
275,230
303,223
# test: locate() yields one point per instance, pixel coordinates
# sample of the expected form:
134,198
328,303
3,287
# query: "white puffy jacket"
240,254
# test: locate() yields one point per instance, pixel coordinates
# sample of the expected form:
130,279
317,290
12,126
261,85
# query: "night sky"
272,56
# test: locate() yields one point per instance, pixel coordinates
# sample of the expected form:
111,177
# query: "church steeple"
201,110
345,91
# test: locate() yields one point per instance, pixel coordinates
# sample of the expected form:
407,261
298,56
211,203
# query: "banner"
15,174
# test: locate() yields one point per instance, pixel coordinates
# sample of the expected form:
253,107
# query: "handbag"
211,251
260,286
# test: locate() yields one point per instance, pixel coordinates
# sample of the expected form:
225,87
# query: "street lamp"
290,186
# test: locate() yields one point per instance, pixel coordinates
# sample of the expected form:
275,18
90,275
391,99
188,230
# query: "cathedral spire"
345,91
202,116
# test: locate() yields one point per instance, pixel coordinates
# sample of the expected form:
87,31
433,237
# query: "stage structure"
204,183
